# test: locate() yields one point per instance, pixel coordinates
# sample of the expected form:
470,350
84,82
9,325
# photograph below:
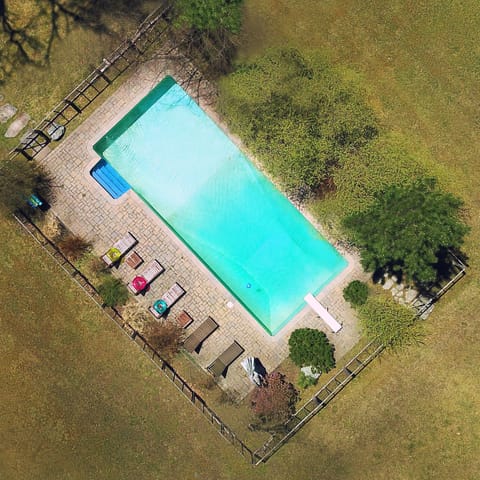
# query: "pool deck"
87,210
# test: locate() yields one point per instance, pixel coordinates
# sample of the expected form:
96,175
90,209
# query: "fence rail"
72,105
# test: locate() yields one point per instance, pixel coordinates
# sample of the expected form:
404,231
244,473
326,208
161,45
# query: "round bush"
356,293
310,347
113,292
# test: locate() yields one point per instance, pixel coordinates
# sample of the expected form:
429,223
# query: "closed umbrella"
249,365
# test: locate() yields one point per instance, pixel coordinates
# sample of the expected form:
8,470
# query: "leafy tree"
274,402
165,337
298,116
310,347
356,292
19,178
393,324
407,229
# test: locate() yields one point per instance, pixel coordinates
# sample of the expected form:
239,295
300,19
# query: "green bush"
393,324
113,291
310,347
305,381
356,293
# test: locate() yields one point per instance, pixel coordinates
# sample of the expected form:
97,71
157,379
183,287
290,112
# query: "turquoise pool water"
225,210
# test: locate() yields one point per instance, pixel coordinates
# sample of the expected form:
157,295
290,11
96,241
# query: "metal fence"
125,55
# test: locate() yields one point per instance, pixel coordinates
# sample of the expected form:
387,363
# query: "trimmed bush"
113,292
356,293
274,402
310,347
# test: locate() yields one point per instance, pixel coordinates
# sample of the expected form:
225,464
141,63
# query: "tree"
393,324
207,29
19,178
165,337
356,292
274,402
310,347
298,115
408,229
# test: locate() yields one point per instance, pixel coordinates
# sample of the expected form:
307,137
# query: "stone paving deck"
87,210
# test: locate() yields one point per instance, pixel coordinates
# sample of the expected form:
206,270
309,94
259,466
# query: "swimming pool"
224,209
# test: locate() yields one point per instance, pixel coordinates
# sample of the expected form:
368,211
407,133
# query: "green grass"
78,401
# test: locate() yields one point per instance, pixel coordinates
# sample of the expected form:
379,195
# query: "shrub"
305,381
73,246
136,315
52,227
19,178
165,337
274,402
356,293
113,291
393,324
310,347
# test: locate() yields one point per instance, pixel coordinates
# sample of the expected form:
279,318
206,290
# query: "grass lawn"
78,401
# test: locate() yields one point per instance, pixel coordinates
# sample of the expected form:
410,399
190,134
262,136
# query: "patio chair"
119,249
171,296
201,333
151,271
220,364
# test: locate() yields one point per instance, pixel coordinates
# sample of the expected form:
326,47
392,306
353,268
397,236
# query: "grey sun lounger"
119,249
220,364
172,295
151,271
201,333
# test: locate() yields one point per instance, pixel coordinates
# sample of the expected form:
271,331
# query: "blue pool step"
109,179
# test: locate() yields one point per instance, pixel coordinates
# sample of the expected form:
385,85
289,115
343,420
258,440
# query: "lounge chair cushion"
200,334
220,364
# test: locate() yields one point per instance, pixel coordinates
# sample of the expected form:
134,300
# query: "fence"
224,430
126,54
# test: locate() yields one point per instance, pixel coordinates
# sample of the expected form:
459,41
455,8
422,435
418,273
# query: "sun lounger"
119,249
220,364
193,341
167,300
322,312
151,271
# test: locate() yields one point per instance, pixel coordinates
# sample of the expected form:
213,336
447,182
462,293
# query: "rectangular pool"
225,210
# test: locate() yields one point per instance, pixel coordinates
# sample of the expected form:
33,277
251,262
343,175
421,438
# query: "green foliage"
19,178
310,347
305,381
356,292
210,15
297,115
407,229
393,324
113,291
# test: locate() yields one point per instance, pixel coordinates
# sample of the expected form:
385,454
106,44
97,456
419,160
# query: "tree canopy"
407,229
310,347
298,115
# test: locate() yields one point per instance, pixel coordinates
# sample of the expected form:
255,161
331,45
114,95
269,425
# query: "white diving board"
322,312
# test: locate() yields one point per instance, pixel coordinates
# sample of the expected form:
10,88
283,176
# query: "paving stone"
17,125
7,111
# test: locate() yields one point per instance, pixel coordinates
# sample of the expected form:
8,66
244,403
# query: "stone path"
7,111
88,211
